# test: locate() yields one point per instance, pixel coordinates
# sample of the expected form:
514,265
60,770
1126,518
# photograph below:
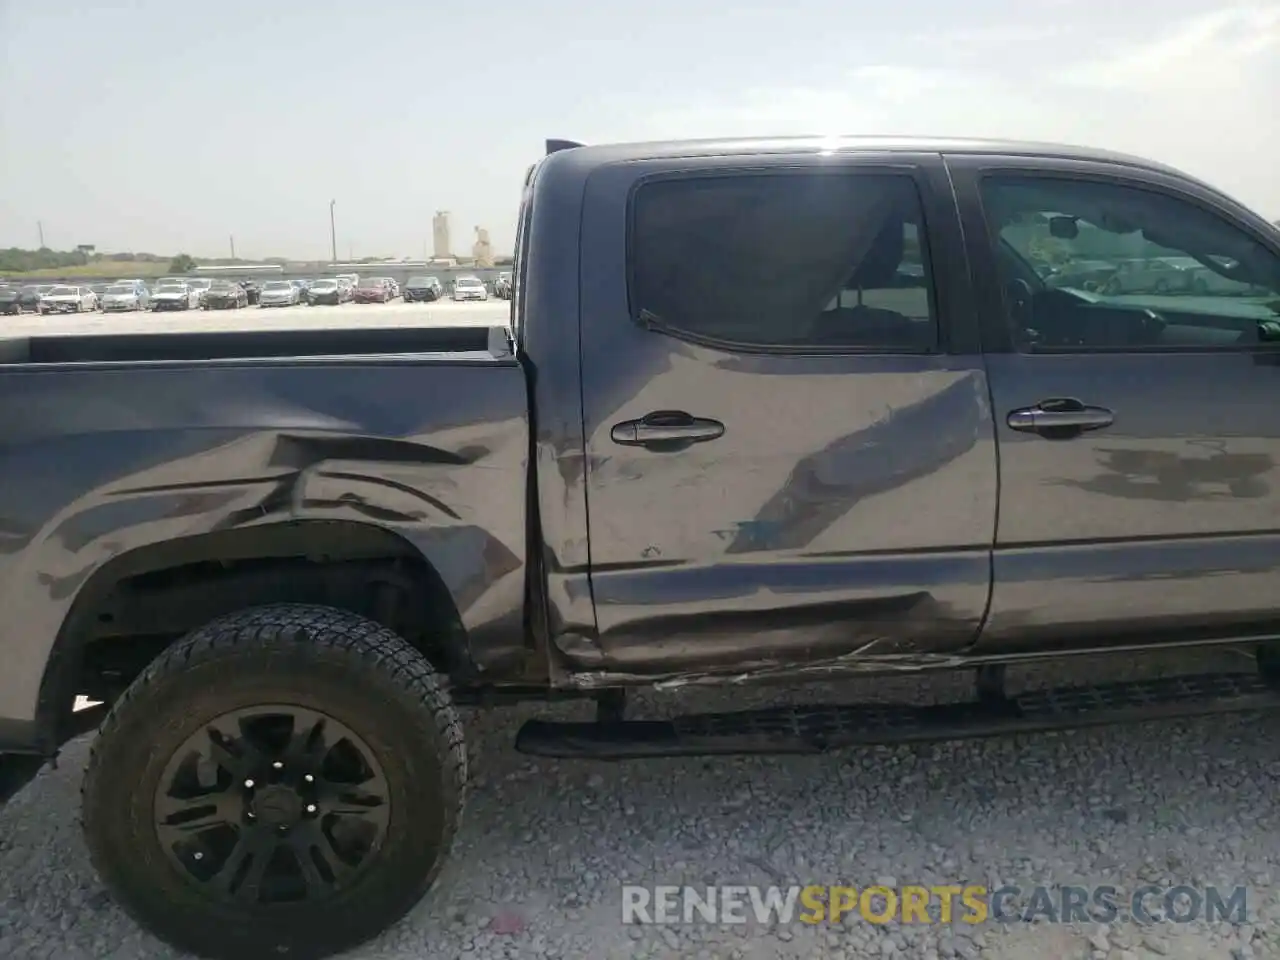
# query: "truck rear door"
790,450
1136,410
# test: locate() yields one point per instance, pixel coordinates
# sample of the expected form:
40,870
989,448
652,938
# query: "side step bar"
810,728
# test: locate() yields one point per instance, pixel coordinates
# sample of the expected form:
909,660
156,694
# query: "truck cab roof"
864,143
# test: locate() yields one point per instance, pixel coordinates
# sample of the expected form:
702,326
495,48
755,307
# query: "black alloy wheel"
271,804
285,781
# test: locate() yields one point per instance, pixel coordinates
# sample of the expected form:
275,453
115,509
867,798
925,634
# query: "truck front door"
790,450
1139,440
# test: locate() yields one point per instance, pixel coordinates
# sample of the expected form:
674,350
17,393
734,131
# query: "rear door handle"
1059,418
666,428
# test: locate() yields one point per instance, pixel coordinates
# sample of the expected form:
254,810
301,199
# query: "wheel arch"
145,599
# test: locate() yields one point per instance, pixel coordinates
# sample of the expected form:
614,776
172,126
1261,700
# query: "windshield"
418,282
278,285
62,292
468,282
118,288
170,288
324,284
29,289
222,286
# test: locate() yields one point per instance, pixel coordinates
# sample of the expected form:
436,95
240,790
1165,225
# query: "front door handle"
1059,418
671,429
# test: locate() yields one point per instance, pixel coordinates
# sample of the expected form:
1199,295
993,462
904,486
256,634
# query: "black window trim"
857,167
520,265
1137,178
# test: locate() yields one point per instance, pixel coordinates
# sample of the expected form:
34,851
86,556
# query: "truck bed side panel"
97,461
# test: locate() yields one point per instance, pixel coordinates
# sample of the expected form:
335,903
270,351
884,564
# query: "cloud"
1199,95
1206,52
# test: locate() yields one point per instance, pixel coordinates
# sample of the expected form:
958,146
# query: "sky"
172,125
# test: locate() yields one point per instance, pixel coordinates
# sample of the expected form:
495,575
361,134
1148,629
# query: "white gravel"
547,844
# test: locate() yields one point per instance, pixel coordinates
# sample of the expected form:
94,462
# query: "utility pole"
333,233
40,228
233,246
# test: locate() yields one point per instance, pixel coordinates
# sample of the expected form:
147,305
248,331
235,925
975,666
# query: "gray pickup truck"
764,410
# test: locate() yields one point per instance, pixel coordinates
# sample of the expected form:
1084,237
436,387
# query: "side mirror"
1064,228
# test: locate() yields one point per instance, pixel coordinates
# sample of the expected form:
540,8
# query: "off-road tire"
350,668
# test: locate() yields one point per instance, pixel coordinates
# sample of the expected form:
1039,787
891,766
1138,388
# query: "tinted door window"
784,261
1093,265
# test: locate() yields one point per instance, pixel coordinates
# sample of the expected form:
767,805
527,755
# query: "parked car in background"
224,295
201,286
1150,275
502,286
70,299
1203,281
330,291
121,297
301,286
469,288
43,289
393,285
423,289
372,290
98,290
10,299
144,292
279,293
252,289
1089,275
31,298
175,296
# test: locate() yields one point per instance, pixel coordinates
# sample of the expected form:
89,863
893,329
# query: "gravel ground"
548,844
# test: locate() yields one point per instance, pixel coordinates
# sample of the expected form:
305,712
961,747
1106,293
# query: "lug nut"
309,778
277,765
248,784
311,808
198,855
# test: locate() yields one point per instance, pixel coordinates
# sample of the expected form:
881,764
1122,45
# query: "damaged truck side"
774,409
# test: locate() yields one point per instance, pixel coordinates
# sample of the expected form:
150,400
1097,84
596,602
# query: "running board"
814,728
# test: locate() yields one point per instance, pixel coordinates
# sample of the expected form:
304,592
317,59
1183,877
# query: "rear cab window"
788,261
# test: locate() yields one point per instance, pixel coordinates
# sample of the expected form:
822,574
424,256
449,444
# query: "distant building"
482,249
440,235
